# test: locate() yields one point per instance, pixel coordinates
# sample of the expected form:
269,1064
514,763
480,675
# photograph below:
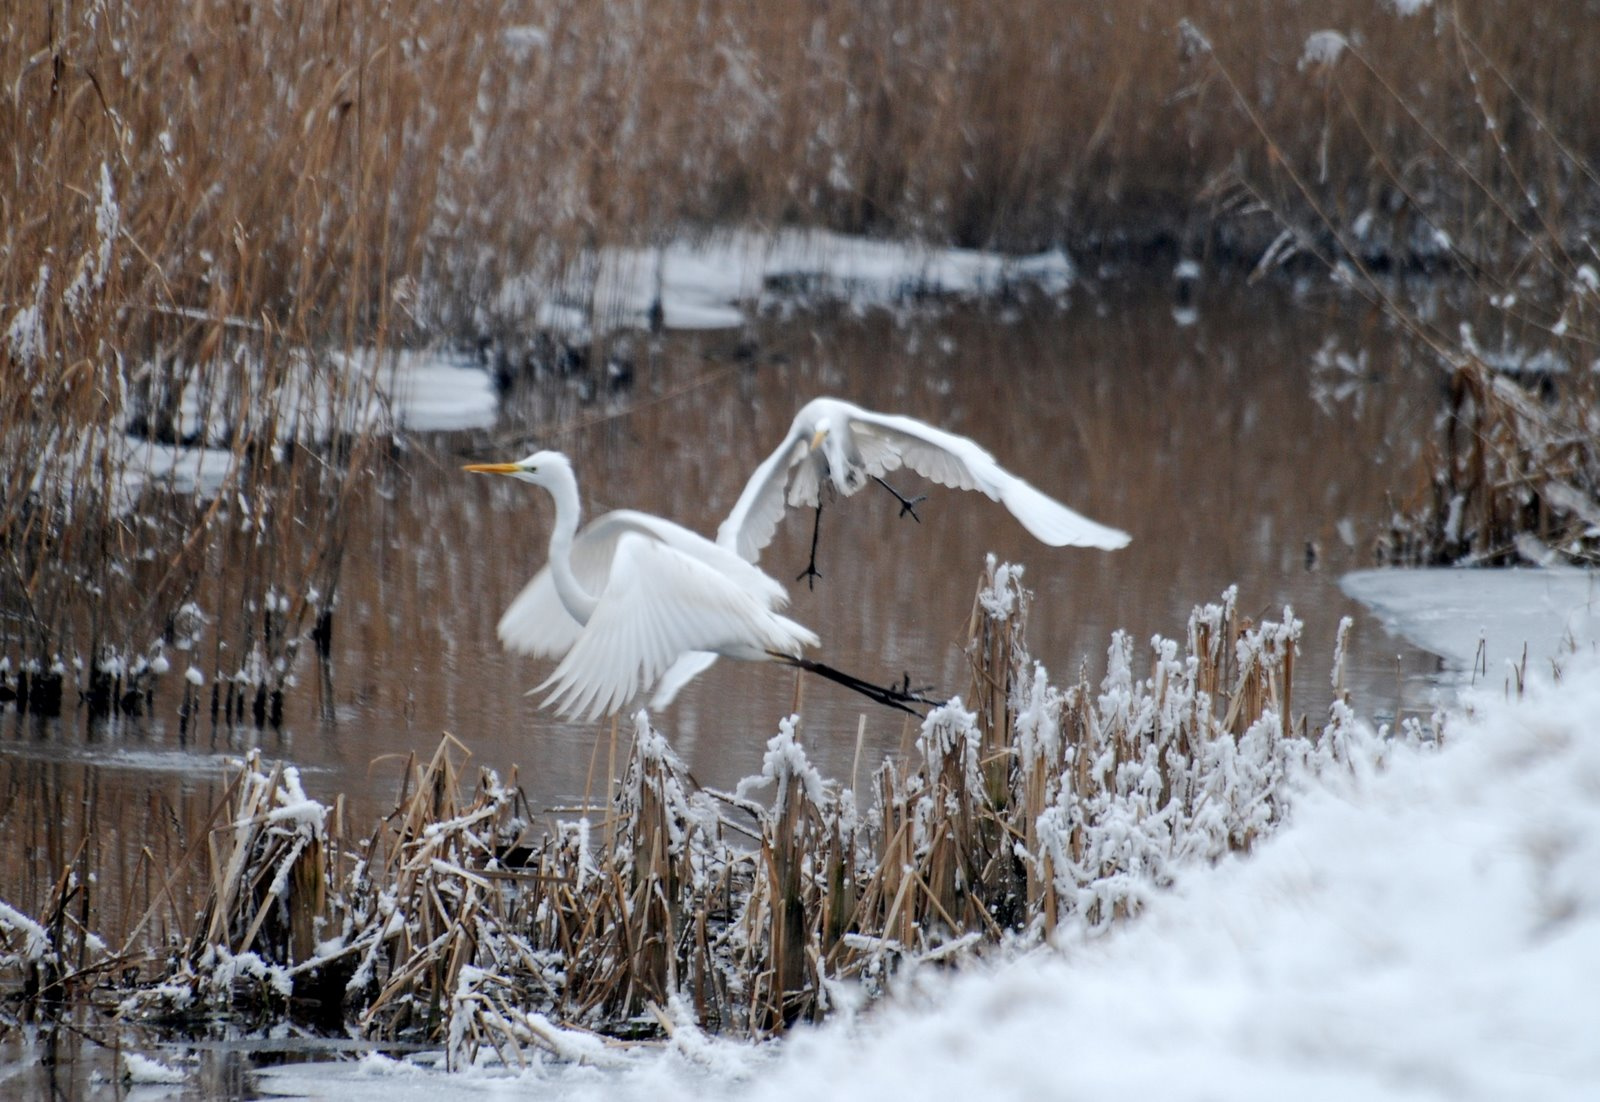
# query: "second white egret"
838,442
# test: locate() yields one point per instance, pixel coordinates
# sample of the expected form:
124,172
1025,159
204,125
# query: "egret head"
830,434
543,468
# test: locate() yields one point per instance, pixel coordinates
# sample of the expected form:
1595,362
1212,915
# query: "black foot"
902,688
809,575
907,504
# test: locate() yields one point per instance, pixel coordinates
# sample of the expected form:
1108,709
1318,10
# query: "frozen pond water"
1486,623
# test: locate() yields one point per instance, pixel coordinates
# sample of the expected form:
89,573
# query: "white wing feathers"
659,604
936,455
952,460
754,518
680,673
884,443
1053,523
537,623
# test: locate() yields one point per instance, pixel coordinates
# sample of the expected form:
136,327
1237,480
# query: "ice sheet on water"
430,391
1552,612
707,284
421,391
314,396
142,1070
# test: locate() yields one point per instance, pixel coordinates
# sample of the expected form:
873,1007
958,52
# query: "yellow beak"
491,468
817,438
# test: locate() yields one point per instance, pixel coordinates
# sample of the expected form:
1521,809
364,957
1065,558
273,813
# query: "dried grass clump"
1516,478
1035,810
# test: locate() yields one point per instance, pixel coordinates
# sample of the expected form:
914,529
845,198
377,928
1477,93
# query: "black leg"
809,574
907,504
897,697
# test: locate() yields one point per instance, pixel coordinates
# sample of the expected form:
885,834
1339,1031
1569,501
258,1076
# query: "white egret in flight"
846,445
634,601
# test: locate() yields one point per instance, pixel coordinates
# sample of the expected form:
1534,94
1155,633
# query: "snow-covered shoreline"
1427,929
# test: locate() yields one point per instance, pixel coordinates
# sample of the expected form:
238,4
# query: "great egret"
634,600
846,444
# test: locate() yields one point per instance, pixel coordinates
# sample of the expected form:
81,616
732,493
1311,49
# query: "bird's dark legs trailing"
809,574
899,697
907,504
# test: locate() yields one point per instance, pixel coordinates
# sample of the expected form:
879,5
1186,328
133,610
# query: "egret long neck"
578,601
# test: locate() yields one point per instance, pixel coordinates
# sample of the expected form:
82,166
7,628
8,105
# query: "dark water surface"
1202,441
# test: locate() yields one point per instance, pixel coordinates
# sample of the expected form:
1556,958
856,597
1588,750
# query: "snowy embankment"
1427,929
1430,930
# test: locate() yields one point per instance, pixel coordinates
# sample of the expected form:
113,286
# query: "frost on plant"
1025,810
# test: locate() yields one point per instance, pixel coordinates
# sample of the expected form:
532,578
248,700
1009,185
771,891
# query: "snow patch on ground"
420,391
143,1070
431,391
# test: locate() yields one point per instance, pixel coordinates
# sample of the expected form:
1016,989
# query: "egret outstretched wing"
754,518
538,623
956,461
836,440
657,605
680,673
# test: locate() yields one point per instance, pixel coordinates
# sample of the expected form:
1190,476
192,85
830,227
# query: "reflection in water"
1202,441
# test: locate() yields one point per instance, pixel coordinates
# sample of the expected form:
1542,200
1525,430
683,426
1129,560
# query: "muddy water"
1203,441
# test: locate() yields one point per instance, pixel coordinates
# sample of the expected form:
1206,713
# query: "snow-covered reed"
1032,810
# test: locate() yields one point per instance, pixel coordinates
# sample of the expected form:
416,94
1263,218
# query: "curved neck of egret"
578,601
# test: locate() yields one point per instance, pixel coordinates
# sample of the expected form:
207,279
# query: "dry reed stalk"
1516,478
786,987
1514,475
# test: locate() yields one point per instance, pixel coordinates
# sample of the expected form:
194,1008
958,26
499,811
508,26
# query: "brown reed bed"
1024,810
1513,332
205,203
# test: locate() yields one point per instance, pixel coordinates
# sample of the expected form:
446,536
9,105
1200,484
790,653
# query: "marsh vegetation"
223,228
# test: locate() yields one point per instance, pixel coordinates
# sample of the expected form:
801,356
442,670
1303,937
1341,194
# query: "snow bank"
1430,930
421,391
